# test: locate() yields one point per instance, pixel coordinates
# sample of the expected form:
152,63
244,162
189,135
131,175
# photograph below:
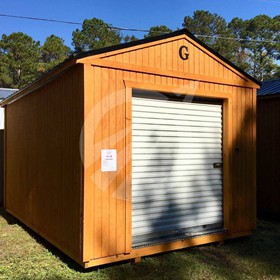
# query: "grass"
25,255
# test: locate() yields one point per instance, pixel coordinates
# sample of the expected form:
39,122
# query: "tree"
95,34
241,58
19,56
261,32
247,43
128,39
158,30
257,53
53,52
212,30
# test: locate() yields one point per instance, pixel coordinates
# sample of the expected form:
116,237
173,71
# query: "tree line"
253,45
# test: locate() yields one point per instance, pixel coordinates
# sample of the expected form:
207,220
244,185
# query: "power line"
139,30
70,22
237,39
41,19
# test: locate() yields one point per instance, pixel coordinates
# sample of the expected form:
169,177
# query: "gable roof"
270,87
162,37
77,58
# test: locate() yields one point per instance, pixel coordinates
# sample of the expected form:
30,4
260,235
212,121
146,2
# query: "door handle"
217,165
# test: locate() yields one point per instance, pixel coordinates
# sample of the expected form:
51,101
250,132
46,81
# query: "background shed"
4,93
268,149
133,150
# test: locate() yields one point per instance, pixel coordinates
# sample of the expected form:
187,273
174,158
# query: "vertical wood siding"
268,152
86,212
243,169
108,188
43,163
165,55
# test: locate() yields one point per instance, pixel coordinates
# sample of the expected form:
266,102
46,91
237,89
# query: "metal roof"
269,87
6,92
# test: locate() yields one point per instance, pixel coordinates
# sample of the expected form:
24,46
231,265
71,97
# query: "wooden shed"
268,149
133,150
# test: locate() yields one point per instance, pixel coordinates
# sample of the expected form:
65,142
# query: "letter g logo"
184,52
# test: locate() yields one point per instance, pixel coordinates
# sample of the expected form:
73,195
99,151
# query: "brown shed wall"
43,163
268,152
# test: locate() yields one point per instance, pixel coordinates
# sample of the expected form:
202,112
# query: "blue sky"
140,14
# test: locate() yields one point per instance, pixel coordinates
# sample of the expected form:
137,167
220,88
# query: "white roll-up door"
176,191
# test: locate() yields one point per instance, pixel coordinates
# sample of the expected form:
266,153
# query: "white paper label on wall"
108,160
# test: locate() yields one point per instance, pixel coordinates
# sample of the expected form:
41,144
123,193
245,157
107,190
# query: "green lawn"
24,255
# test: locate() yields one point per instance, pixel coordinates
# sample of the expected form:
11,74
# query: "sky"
139,14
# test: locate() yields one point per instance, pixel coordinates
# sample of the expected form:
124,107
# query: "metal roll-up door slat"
175,215
163,122
161,209
174,179
178,197
178,145
164,168
175,224
185,184
147,102
156,156
178,174
175,189
178,111
174,127
172,139
171,162
187,134
179,191
177,117
183,201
